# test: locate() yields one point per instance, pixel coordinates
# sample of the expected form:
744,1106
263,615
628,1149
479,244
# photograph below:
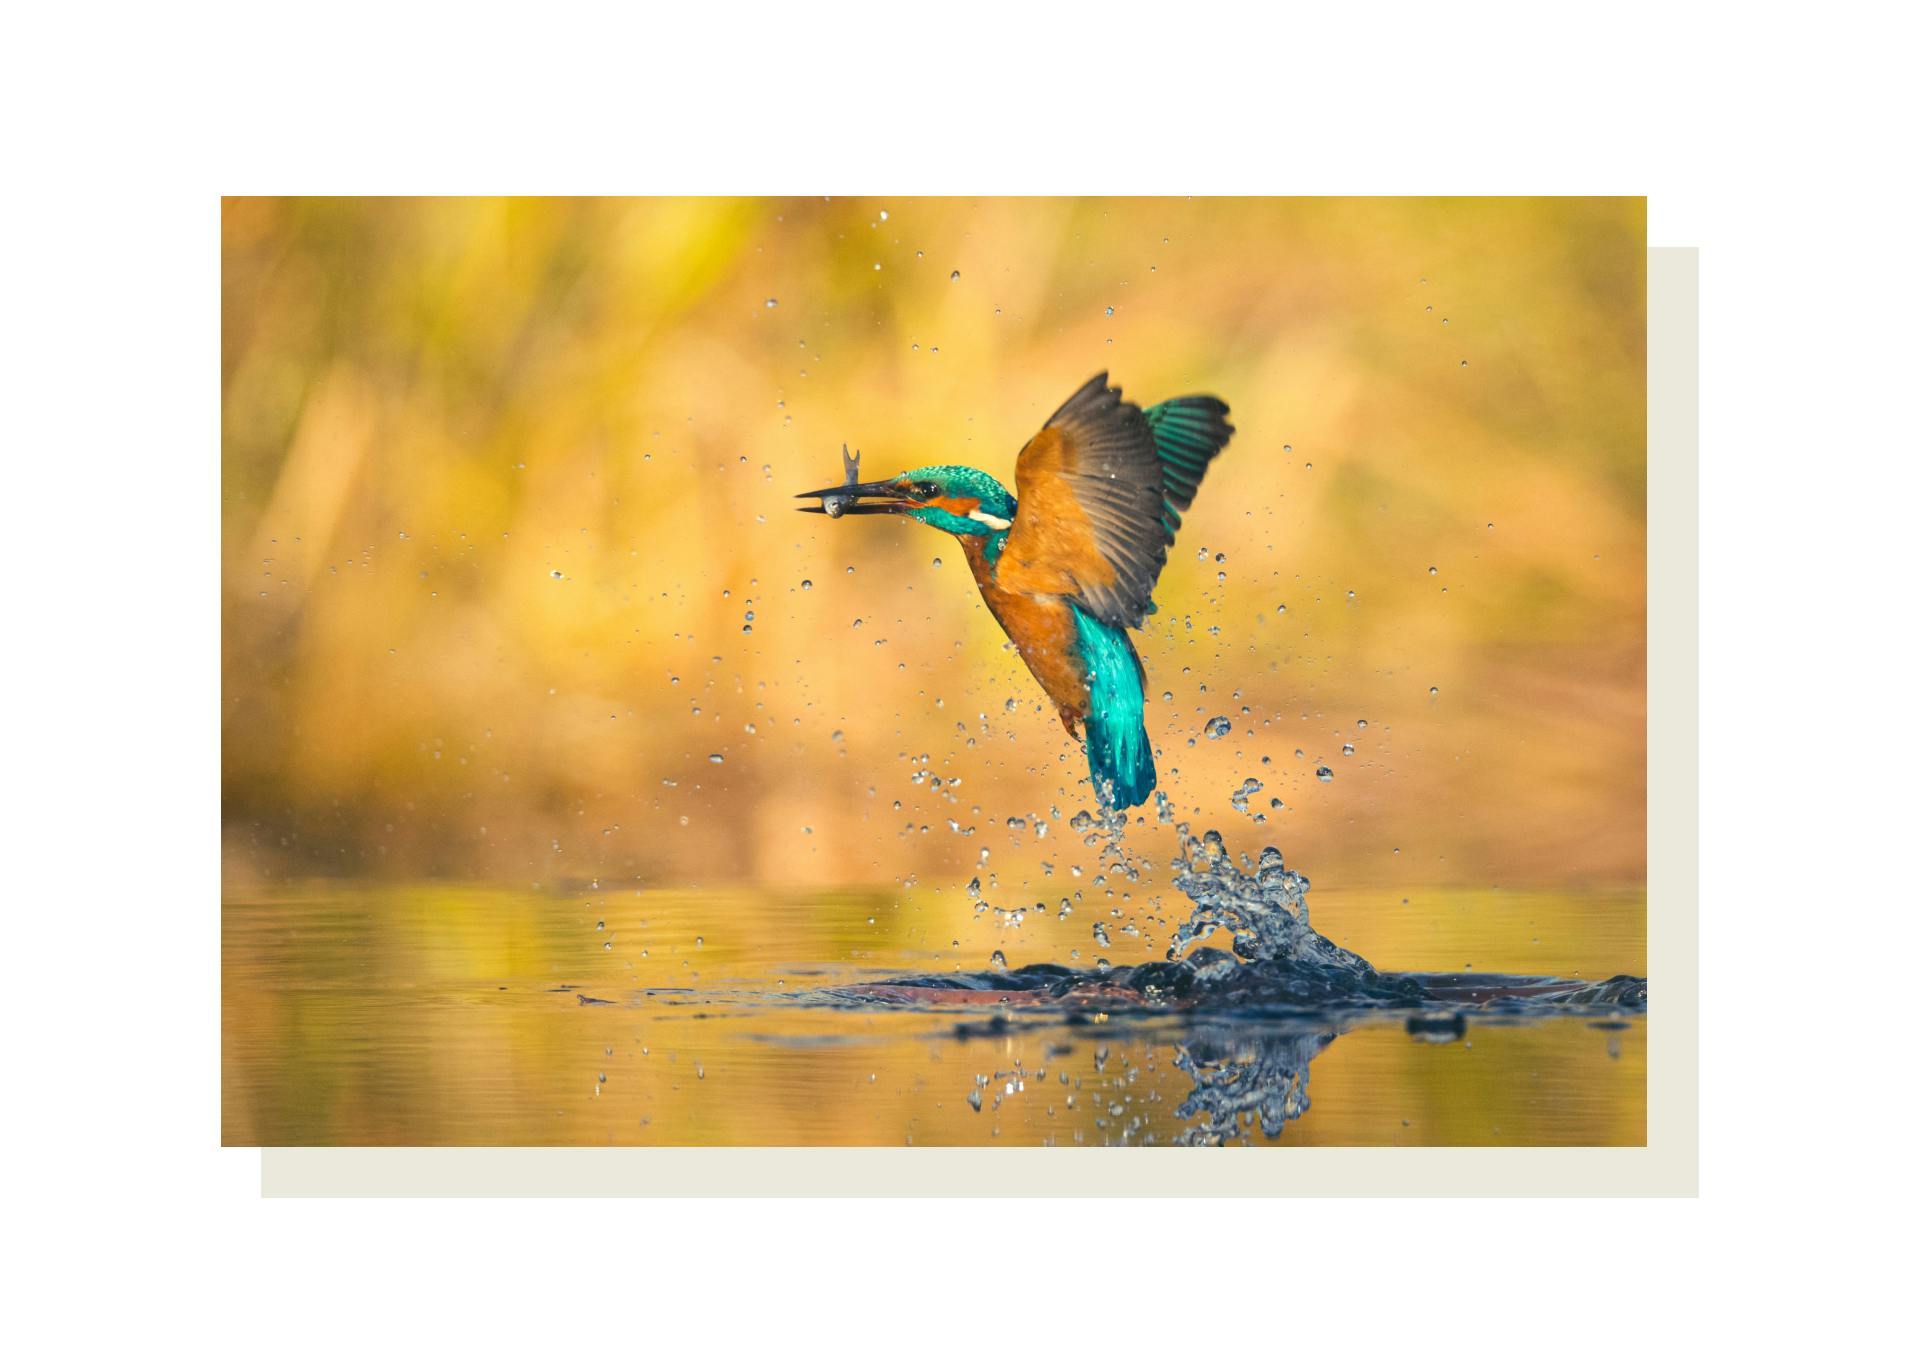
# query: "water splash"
1263,905
1279,963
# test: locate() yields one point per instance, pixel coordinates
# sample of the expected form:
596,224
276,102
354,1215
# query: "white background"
1782,144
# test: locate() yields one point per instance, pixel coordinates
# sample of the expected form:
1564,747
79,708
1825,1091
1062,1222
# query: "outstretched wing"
1091,496
1189,432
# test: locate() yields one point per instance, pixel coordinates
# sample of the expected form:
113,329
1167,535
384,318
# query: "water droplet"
716,758
1432,571
954,276
1325,774
1346,749
806,584
999,960
1110,311
772,301
1433,690
1218,726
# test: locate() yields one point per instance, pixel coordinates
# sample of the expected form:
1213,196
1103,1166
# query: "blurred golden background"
514,588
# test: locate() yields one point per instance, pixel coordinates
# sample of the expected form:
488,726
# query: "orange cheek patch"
959,507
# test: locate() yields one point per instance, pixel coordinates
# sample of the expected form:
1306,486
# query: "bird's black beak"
843,500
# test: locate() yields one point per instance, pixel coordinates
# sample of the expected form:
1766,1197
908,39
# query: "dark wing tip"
1093,397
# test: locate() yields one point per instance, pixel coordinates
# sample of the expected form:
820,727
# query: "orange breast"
1041,628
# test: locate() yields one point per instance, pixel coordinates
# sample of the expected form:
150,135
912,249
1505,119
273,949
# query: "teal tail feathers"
1121,760
1118,753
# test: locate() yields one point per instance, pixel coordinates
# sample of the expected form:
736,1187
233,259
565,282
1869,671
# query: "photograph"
921,672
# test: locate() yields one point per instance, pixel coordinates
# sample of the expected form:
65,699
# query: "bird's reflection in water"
1242,1076
1239,1080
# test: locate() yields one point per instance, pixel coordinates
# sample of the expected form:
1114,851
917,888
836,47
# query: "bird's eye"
924,490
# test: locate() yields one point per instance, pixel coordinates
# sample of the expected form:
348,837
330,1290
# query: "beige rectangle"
1668,1165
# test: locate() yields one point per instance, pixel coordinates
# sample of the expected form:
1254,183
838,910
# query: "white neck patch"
988,519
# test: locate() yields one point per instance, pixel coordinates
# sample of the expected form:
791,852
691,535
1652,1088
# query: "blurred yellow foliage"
510,555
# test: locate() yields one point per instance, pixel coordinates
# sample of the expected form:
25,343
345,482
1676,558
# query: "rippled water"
357,1013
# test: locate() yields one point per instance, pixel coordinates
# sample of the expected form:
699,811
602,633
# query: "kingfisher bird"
1069,566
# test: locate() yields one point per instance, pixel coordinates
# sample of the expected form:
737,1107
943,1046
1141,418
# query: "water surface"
361,1013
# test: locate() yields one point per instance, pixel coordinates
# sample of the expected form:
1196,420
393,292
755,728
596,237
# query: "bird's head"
958,499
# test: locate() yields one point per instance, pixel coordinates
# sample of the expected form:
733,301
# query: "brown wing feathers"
1091,496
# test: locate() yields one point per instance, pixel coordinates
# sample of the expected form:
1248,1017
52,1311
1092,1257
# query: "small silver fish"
836,503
